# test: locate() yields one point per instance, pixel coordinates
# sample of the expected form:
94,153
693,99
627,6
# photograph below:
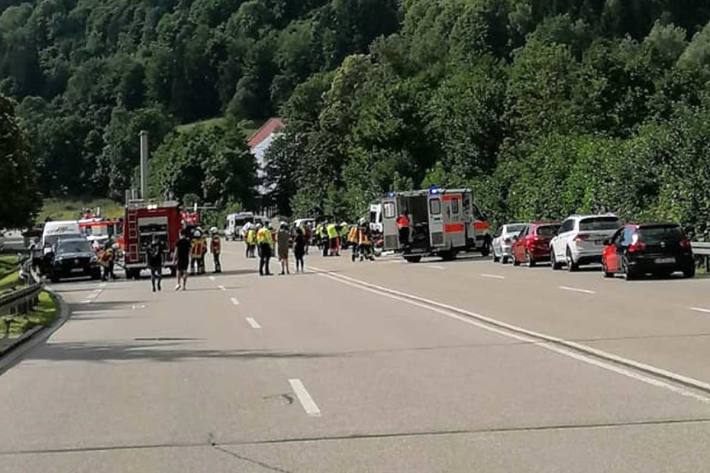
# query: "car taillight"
637,247
685,244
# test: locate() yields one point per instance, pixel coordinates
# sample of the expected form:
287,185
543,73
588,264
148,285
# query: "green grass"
9,276
70,209
209,123
42,315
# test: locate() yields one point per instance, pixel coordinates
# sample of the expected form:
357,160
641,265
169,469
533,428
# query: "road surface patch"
304,398
254,324
222,288
576,289
652,375
234,300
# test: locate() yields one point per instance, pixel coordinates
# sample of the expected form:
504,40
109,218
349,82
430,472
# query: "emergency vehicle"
99,230
142,221
443,222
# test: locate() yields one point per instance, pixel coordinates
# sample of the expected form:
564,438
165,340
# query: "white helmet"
213,230
197,234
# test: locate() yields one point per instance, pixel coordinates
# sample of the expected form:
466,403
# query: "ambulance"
443,222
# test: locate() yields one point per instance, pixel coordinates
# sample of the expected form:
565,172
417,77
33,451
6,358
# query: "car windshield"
547,230
73,246
515,229
599,223
661,233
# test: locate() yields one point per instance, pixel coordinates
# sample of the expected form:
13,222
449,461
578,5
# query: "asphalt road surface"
464,366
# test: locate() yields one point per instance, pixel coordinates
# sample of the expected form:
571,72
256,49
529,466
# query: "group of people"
189,258
282,240
360,238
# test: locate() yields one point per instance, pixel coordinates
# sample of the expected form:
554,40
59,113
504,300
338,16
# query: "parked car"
73,257
580,240
636,250
503,241
533,244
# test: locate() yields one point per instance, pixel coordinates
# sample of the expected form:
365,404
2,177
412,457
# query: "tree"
19,197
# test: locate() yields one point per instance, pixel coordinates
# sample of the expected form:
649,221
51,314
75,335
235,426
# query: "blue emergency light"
434,189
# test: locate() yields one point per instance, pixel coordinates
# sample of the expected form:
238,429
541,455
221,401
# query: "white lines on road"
432,266
253,323
651,375
700,309
212,278
102,285
222,288
234,300
304,398
576,289
492,276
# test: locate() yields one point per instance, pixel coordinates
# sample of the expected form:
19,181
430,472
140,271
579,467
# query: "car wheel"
413,259
449,255
496,258
571,265
689,272
553,261
529,261
629,274
607,274
505,260
515,261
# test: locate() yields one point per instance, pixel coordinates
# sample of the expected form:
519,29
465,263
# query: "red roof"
272,126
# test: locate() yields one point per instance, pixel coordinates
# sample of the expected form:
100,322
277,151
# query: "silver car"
503,241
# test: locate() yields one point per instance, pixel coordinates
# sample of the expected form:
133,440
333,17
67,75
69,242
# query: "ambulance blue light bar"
434,189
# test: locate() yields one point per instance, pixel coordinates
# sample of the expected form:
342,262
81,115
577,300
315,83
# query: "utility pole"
144,164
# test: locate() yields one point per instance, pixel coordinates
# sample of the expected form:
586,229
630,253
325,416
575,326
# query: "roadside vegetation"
544,108
9,274
70,209
43,315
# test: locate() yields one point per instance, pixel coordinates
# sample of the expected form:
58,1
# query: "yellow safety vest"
264,236
332,231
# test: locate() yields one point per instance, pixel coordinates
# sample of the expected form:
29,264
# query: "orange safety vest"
402,221
362,237
216,245
197,248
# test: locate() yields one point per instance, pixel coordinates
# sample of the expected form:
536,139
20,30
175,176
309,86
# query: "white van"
53,231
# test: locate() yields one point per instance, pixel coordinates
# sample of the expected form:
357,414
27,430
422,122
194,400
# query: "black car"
74,258
660,249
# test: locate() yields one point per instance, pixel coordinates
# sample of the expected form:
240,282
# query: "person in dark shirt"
182,259
299,248
155,262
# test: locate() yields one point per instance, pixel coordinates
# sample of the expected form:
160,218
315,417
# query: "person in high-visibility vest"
403,224
251,241
353,240
265,242
323,238
195,252
364,241
332,230
216,249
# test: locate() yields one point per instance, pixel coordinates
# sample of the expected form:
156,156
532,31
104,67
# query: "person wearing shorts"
182,259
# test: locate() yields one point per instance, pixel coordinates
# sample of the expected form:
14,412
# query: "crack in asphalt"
211,442
251,460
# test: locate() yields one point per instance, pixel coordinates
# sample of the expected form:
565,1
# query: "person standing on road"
299,248
403,224
283,241
182,259
216,249
265,242
364,241
353,241
250,240
332,230
325,245
155,262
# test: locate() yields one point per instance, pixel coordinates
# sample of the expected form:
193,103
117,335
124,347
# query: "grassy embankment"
9,276
70,209
43,315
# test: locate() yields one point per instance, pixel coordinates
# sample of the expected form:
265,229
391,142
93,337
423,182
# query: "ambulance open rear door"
389,223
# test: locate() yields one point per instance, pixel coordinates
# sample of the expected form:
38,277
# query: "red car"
659,249
533,244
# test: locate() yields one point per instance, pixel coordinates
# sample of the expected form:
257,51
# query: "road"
368,367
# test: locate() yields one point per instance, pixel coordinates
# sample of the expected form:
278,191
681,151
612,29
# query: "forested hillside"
544,107
88,74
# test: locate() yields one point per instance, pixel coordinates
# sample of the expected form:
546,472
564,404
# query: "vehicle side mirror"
607,242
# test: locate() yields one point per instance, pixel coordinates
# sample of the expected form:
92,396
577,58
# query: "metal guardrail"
701,249
21,301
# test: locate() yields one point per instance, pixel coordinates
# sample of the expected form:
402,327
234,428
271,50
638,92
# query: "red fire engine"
144,220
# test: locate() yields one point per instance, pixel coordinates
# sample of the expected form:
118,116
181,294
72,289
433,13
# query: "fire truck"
443,222
142,221
98,230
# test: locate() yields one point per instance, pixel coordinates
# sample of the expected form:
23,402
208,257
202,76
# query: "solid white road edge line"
253,323
304,398
532,337
700,309
234,300
576,289
492,276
